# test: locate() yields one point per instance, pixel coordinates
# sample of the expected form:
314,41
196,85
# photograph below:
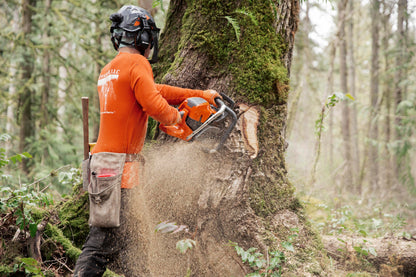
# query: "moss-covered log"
72,214
391,256
55,246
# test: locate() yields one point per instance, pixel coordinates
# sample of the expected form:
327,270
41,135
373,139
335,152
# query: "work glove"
210,95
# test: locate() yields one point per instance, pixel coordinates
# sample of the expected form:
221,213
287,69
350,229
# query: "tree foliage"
73,35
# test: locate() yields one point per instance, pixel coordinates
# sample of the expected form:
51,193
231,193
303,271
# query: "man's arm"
150,99
176,95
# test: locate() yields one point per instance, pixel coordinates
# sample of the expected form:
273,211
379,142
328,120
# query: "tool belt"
134,158
86,172
104,188
102,178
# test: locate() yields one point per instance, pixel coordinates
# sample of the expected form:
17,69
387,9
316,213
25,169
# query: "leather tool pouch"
105,189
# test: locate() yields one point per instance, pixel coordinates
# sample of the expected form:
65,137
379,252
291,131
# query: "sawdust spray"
169,190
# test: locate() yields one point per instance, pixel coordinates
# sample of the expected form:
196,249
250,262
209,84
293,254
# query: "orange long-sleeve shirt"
128,95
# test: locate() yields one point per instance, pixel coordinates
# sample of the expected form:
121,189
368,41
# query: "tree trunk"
306,59
351,71
387,176
374,98
329,91
346,114
46,76
95,99
147,5
25,98
398,93
241,194
399,77
62,88
11,105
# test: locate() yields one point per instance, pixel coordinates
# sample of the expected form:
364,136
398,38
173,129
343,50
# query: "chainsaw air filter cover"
195,111
199,110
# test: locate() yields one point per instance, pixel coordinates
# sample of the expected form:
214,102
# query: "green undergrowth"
26,209
355,219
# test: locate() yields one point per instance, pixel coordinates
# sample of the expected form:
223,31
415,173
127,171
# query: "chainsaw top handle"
229,109
228,100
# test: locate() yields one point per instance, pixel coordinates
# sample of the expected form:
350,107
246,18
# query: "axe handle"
85,127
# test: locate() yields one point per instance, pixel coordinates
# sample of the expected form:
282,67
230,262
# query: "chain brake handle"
229,112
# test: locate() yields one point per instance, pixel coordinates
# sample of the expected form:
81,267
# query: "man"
128,95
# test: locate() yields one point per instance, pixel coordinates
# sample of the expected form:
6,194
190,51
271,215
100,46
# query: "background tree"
387,78
53,47
374,97
348,178
402,130
350,32
331,163
26,93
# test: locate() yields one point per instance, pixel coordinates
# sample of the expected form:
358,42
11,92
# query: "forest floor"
335,214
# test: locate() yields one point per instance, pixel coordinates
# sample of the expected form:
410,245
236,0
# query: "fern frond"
235,25
249,14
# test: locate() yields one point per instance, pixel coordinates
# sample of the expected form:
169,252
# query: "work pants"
112,247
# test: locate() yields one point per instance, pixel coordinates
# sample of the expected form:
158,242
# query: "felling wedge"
200,119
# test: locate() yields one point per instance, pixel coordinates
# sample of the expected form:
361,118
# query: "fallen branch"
35,242
390,251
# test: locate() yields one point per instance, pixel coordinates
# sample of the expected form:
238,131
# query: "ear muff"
143,40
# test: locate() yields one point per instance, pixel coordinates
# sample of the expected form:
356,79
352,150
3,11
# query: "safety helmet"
134,26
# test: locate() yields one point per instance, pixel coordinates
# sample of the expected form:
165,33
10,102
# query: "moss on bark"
252,59
57,235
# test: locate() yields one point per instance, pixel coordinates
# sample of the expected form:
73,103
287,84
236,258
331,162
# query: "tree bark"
25,98
242,194
46,76
388,97
351,71
346,113
305,49
11,105
374,98
97,69
399,92
330,91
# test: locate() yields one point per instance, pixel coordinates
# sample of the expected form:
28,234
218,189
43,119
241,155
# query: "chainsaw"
201,120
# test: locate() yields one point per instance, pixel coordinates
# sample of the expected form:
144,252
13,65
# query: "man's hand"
180,116
210,95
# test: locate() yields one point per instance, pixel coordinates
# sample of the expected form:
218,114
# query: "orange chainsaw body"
193,109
